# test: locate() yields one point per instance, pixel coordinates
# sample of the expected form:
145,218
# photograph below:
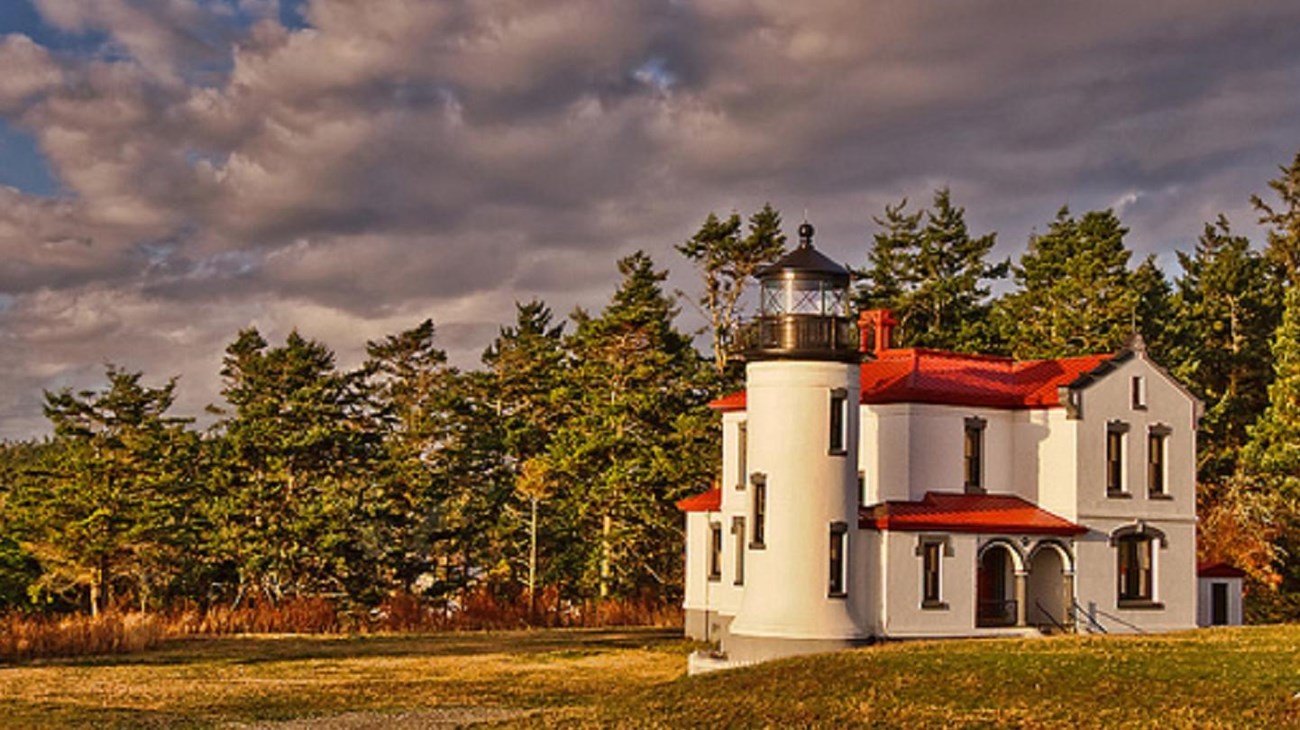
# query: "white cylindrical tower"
802,403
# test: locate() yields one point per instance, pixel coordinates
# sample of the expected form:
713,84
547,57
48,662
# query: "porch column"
1022,581
1068,591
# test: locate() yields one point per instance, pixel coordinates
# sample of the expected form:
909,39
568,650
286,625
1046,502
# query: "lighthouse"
802,392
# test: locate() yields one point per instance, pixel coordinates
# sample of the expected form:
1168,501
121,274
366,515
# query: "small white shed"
1218,594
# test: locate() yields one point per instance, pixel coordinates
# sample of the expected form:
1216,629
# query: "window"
931,553
1134,565
839,421
715,551
932,549
742,447
760,509
862,488
1139,392
974,455
738,534
838,561
1115,431
1156,438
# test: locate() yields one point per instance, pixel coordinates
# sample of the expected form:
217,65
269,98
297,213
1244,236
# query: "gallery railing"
798,335
996,613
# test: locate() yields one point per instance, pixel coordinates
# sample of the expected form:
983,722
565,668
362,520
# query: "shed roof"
1218,570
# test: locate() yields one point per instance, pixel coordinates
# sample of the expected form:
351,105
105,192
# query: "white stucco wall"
1174,581
808,489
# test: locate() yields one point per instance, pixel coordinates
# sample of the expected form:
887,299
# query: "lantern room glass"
794,295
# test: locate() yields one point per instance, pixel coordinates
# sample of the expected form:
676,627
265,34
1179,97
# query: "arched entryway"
995,585
1049,593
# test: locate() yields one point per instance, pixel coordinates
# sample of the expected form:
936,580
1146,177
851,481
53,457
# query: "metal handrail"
1112,617
1050,617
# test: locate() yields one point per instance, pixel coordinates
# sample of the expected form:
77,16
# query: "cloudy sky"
174,170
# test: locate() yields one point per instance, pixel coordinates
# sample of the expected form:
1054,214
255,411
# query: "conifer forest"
552,468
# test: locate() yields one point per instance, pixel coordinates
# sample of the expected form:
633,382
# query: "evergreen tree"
1074,293
1271,459
1284,221
290,474
1225,309
110,507
640,437
412,397
525,368
935,277
727,260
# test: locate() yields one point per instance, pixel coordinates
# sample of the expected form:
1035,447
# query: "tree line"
556,463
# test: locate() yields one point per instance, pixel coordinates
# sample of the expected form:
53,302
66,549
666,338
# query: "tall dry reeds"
30,637
25,637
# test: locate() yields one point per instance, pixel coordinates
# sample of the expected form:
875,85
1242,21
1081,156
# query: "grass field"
1225,677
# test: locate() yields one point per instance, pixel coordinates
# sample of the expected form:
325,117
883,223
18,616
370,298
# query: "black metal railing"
996,613
1051,620
798,335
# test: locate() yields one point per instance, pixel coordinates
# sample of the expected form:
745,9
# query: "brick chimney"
877,330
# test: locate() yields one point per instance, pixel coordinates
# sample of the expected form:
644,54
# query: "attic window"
1139,391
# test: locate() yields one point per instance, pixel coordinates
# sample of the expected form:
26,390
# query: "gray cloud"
398,160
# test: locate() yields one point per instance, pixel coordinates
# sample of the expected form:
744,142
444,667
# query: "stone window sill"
755,545
1161,495
934,606
1116,494
1140,604
837,594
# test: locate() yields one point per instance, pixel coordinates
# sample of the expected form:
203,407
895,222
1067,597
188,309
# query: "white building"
873,492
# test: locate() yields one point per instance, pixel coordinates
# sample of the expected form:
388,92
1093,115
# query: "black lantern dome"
803,308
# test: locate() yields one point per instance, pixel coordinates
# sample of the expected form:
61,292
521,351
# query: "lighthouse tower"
802,388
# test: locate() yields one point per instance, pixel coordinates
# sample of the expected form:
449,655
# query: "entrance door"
993,608
1219,604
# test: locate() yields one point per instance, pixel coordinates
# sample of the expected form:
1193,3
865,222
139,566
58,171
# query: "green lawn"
1225,677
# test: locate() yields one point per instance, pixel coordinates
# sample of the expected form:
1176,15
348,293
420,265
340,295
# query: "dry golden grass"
211,681
1241,677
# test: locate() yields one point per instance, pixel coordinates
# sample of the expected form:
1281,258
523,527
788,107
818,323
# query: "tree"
1074,293
413,395
934,275
1225,309
639,438
727,260
525,369
1270,460
112,500
290,478
1284,221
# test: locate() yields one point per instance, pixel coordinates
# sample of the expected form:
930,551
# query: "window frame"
1138,392
973,463
1158,462
715,552
1131,543
738,533
742,453
838,423
838,561
932,549
758,505
1116,476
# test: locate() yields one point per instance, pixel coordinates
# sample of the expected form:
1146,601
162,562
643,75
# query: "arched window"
1135,564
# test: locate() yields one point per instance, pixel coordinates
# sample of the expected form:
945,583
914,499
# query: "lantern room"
803,309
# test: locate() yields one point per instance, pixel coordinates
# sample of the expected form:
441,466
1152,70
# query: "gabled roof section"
980,513
710,501
916,375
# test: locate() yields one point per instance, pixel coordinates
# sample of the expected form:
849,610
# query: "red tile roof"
710,501
1218,570
917,375
982,513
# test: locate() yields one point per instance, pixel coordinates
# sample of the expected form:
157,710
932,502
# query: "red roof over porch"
982,513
